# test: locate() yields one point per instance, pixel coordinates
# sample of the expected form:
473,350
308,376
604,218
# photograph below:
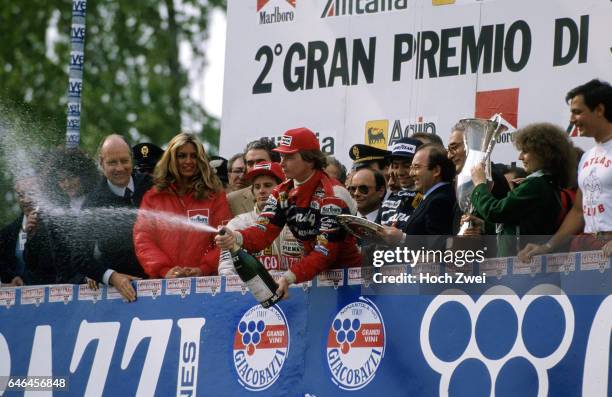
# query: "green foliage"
133,82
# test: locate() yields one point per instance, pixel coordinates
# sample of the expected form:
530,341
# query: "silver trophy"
479,139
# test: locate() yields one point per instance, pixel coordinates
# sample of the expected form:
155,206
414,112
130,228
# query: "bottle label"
259,289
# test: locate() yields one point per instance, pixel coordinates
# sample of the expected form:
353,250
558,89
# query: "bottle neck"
234,249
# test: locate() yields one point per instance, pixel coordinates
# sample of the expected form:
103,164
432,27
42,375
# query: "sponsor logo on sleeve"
331,209
271,201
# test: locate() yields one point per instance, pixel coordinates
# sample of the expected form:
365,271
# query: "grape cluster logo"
356,344
498,344
261,344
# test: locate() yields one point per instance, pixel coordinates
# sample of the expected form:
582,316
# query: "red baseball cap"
297,139
272,169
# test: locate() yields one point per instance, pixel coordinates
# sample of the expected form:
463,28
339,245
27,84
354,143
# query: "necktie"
128,195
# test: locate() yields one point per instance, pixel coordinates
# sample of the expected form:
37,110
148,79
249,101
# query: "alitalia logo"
335,8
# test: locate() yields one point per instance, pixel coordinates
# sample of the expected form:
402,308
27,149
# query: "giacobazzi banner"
537,329
372,71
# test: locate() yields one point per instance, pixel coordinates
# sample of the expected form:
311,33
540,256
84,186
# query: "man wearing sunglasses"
367,187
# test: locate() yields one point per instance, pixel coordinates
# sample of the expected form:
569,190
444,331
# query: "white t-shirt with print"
595,181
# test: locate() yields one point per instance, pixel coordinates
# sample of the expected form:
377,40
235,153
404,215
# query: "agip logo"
261,345
275,11
383,134
376,132
356,344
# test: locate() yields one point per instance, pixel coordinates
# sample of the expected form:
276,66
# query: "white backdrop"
532,53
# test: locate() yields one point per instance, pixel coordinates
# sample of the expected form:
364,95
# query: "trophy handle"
466,225
497,120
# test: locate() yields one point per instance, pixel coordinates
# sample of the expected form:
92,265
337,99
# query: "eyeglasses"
363,189
452,148
237,171
415,167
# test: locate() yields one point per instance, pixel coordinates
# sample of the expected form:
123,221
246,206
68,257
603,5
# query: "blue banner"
524,334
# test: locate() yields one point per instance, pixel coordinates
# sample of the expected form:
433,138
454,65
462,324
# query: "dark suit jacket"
108,221
8,241
433,218
38,255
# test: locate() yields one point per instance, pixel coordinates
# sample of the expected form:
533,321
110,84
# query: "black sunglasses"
363,189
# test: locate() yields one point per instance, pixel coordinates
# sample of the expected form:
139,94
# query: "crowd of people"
144,212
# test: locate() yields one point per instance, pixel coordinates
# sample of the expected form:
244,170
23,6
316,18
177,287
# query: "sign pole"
75,79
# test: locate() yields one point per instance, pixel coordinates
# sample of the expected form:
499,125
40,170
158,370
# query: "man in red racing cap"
308,203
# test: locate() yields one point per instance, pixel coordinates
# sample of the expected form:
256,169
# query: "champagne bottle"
253,273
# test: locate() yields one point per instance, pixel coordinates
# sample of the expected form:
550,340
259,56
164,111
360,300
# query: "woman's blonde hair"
203,182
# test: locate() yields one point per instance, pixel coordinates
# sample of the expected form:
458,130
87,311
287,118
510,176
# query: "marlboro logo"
286,140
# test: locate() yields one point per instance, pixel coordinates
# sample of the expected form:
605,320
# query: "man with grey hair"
236,169
456,146
106,252
336,169
457,154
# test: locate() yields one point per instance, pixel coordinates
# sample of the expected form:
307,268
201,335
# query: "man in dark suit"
107,253
9,235
26,256
433,174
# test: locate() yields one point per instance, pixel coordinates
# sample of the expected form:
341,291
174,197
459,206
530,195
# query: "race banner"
373,71
544,332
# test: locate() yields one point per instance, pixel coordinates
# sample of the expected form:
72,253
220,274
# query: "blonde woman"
185,187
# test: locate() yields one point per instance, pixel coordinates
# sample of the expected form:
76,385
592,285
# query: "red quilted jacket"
161,244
